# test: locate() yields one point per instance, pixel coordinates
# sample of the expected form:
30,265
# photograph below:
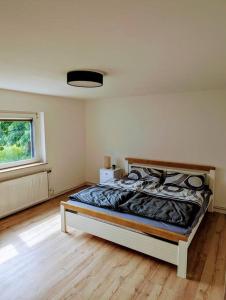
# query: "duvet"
157,206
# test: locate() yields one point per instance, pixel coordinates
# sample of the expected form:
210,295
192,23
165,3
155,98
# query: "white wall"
182,127
65,134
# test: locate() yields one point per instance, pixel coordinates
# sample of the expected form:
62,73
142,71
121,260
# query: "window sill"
24,167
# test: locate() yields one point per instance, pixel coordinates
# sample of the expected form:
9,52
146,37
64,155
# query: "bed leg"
182,259
63,219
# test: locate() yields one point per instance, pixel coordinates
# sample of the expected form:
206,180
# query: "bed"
125,216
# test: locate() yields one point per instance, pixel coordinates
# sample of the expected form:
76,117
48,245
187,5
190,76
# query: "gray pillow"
149,174
190,181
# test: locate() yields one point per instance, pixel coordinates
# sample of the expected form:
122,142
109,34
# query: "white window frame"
38,137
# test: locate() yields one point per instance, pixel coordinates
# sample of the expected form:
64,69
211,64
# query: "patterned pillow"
184,194
195,182
124,183
140,173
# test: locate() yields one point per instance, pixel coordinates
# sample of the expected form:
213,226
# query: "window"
20,139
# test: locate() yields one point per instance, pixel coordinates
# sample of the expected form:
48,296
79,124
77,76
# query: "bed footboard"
138,241
174,253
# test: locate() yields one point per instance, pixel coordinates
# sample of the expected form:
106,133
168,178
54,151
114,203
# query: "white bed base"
174,253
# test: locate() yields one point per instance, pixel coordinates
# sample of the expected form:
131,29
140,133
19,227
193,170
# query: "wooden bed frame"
160,243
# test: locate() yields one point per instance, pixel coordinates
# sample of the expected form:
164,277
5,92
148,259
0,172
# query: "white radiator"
22,192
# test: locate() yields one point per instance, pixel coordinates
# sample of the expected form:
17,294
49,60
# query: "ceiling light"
88,79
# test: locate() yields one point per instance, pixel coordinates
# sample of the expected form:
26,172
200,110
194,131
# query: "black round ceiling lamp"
87,79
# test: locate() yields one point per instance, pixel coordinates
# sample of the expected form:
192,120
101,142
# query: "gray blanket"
173,211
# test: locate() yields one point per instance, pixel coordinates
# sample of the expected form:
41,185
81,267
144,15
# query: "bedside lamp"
107,162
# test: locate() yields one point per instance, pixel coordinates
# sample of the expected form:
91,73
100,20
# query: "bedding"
132,184
144,220
164,191
195,182
161,209
103,196
171,208
179,193
126,183
141,173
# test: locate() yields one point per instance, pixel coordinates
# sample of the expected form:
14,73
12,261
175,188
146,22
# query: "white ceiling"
143,46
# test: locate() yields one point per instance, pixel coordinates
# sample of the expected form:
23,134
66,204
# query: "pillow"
124,183
184,194
140,173
189,181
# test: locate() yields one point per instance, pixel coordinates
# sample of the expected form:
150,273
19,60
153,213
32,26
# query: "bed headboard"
177,166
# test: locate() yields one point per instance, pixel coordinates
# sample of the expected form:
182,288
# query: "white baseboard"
219,209
90,183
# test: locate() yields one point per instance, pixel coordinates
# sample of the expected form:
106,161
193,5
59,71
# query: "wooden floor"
37,261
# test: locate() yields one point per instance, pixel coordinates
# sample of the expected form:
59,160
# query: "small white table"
109,174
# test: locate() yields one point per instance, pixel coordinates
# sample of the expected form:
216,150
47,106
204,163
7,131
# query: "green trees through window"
16,140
